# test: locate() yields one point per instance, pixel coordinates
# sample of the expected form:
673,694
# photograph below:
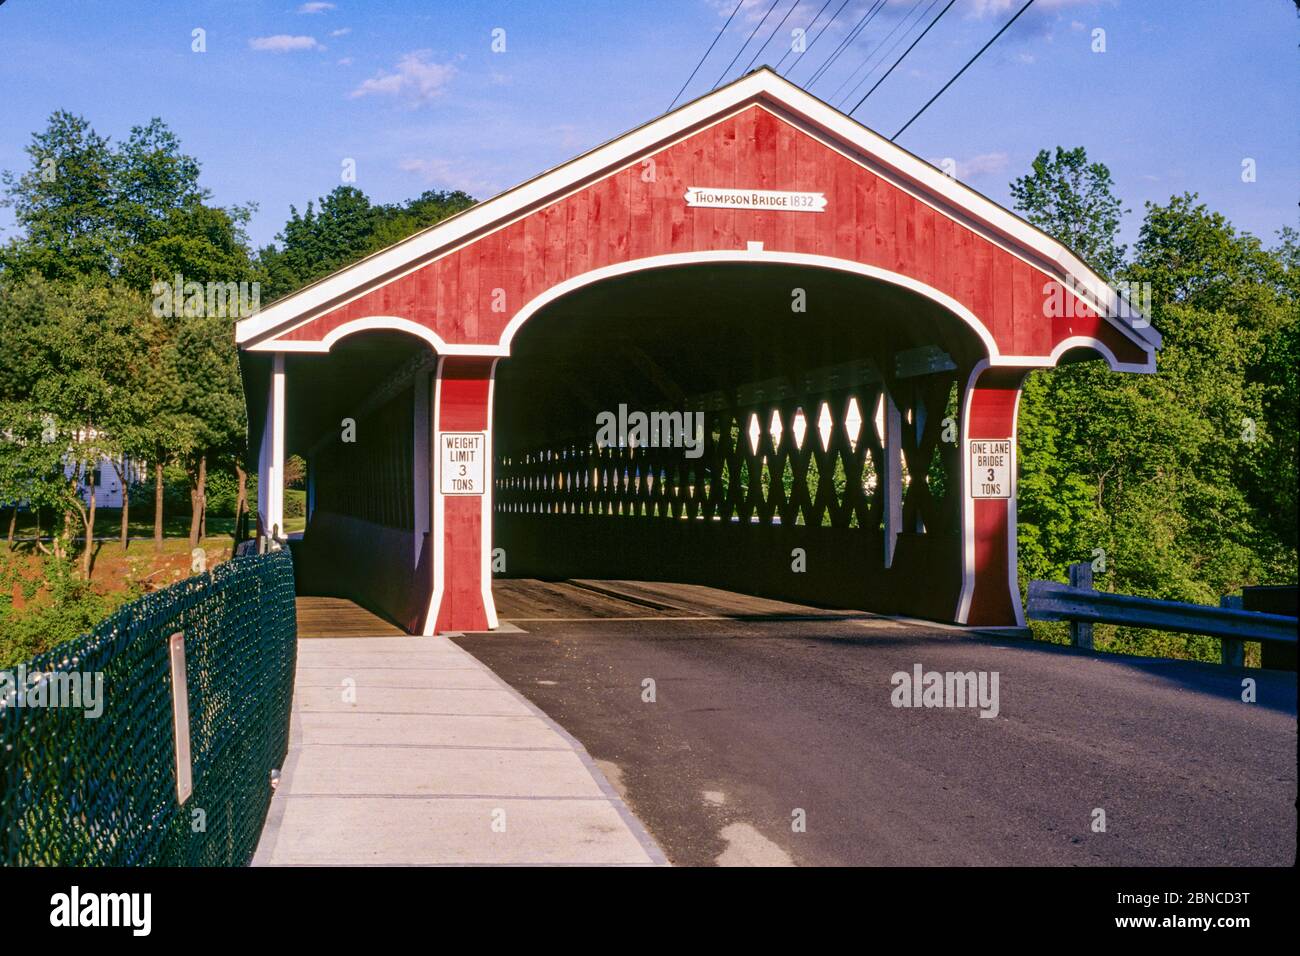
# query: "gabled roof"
761,86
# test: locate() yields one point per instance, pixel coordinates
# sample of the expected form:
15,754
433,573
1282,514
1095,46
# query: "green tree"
1184,480
343,227
64,203
137,215
66,370
1073,201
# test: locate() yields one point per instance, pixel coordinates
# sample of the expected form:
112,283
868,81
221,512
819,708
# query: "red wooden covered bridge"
840,329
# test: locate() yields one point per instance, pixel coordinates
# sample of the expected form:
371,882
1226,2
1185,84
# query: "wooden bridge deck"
339,617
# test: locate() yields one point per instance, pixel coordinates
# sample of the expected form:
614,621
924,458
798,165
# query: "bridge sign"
763,199
464,459
990,468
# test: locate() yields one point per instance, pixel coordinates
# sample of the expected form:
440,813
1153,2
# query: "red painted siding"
640,211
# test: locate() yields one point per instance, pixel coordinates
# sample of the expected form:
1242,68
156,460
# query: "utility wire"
853,77
745,44
775,31
1028,4
739,4
845,43
813,42
904,56
812,24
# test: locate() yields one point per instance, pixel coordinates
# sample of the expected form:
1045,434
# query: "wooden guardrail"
1082,607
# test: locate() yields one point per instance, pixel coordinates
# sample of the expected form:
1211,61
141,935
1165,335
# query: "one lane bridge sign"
990,468
464,460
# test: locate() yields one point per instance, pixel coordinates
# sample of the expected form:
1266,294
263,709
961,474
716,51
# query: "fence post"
1081,631
1231,653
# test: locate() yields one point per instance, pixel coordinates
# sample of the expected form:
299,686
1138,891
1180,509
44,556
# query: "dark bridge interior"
795,424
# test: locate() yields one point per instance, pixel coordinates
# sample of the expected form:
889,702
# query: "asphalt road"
762,710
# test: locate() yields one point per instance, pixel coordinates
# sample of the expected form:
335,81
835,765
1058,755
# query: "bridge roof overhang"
466,284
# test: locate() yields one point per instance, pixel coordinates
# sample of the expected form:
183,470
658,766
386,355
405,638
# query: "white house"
108,486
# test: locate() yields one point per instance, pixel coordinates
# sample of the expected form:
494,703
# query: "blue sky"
415,95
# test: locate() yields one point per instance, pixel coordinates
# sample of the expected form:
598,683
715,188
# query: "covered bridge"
841,329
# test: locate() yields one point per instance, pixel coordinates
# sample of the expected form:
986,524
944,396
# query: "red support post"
462,496
990,586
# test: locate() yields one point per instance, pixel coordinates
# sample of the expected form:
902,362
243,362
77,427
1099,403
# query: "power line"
739,4
1028,4
812,43
845,43
812,24
907,51
745,44
853,77
775,31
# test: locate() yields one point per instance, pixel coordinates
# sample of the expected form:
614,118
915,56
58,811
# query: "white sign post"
990,467
463,463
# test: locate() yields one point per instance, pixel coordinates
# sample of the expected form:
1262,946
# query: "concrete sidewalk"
409,751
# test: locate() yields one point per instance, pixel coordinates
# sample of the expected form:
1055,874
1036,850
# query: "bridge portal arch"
827,400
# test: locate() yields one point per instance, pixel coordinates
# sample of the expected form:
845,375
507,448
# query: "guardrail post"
1081,631
1231,653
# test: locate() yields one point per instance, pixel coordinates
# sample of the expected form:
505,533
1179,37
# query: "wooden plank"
338,617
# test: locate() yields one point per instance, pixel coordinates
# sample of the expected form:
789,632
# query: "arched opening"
359,415
801,436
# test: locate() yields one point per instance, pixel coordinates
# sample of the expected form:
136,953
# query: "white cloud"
751,11
982,165
414,79
315,7
341,33
346,61
283,43
446,174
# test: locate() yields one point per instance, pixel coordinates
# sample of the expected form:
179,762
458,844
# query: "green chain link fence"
81,790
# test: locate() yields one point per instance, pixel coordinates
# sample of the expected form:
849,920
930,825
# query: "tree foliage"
91,367
1181,484
345,228
1073,201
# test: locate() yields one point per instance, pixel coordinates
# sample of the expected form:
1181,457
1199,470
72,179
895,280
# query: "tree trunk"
13,525
121,470
157,507
40,545
62,540
196,502
241,505
203,498
90,526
